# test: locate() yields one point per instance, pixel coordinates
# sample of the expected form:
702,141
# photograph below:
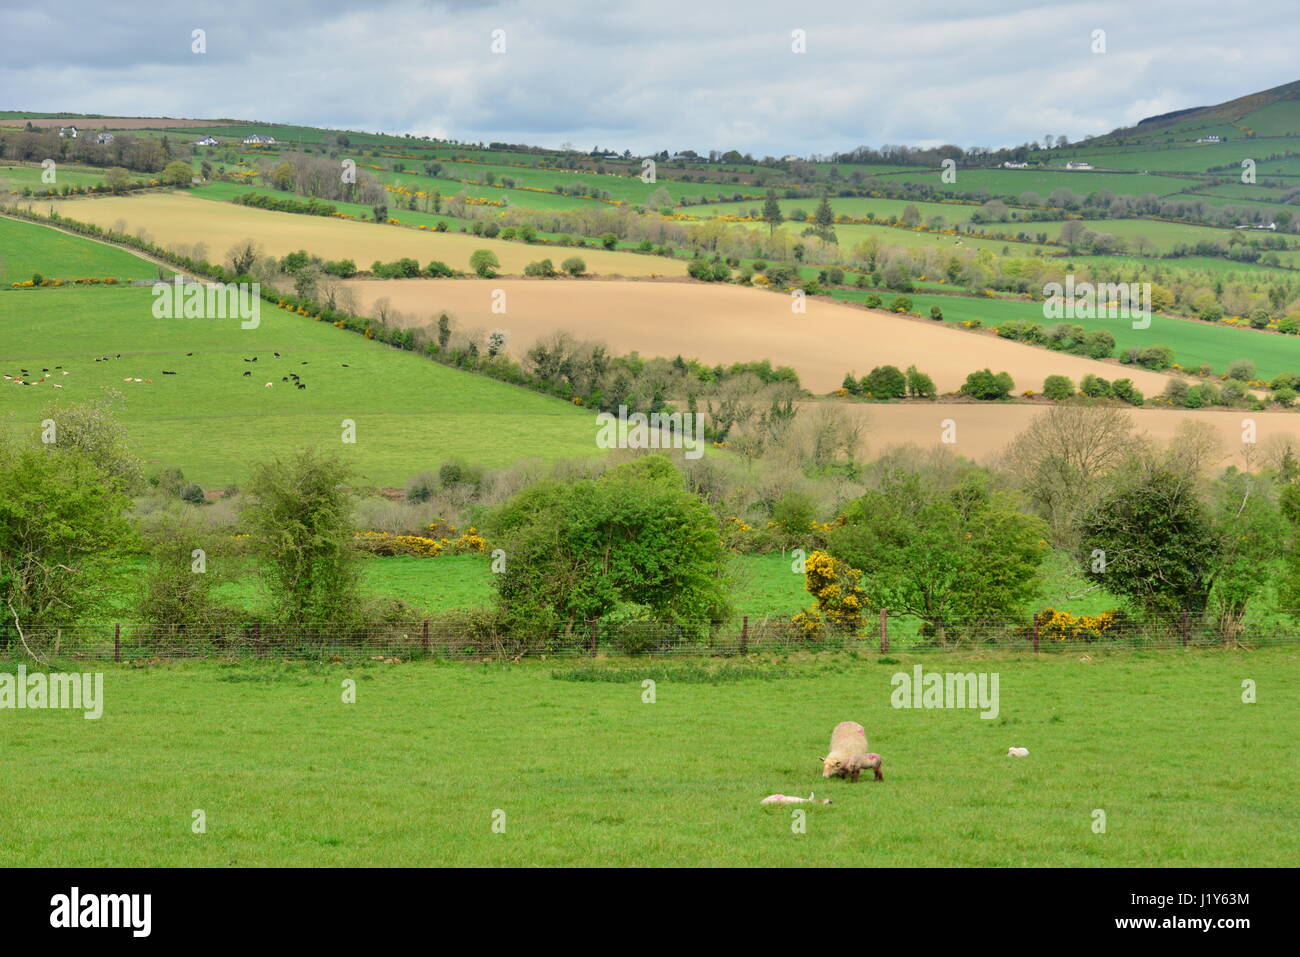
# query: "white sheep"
1017,752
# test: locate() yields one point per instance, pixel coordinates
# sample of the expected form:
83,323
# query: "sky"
650,76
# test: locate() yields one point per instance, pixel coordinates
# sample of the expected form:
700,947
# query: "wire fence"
412,640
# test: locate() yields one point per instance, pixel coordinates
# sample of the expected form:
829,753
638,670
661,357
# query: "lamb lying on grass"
788,799
848,755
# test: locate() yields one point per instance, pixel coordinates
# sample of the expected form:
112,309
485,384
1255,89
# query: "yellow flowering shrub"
1056,625
839,598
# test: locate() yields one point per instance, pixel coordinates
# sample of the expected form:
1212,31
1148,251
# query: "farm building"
1079,164
1011,165
70,131
209,141
257,139
103,139
1210,139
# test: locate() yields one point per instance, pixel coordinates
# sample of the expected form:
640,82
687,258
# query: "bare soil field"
724,324
116,123
984,429
177,218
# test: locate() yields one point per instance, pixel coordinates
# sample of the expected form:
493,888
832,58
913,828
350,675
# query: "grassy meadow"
410,412
27,248
416,771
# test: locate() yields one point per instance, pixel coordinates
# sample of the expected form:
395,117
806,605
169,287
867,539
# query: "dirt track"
723,324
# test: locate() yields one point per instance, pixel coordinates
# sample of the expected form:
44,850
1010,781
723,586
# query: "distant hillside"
1274,112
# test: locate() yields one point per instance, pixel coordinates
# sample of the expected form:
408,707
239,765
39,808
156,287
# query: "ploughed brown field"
117,123
175,219
725,324
984,429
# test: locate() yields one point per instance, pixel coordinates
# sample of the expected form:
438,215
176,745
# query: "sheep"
848,753
1017,752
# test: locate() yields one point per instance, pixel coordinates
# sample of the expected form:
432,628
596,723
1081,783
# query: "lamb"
848,755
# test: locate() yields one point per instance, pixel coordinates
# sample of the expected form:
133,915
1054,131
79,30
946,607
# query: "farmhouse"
103,138
1010,165
1210,139
257,139
209,141
70,131
1078,164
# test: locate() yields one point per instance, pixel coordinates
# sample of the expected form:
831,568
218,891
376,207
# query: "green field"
1193,342
410,412
287,774
27,248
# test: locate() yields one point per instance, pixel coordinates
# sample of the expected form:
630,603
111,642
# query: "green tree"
300,520
635,536
177,173
61,528
885,382
772,212
484,262
942,547
1150,541
1058,388
824,221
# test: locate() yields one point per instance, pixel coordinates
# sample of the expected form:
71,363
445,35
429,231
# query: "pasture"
28,248
1193,342
212,420
174,219
415,772
727,323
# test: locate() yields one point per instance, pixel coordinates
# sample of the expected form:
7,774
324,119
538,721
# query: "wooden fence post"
424,636
884,631
117,642
1185,627
744,635
1035,634
595,635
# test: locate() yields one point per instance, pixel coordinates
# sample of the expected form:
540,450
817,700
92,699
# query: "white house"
257,139
1210,139
210,141
1011,165
1078,164
103,138
68,131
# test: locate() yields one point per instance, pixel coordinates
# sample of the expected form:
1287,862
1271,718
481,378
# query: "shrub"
985,385
1284,397
543,268
1124,390
574,266
901,304
438,270
1242,370
1176,391
873,301
1095,387
885,382
936,312
193,494
1058,388
1099,344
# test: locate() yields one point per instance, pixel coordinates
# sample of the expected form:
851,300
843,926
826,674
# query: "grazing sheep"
848,753
1017,752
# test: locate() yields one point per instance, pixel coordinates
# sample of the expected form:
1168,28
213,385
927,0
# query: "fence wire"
411,640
